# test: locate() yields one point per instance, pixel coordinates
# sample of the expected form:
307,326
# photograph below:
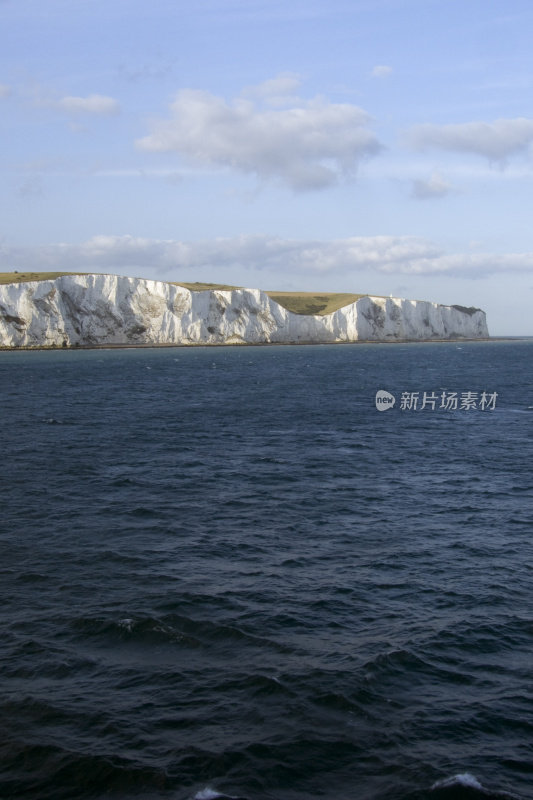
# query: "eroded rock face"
111,309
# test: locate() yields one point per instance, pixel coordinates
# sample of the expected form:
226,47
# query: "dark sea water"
222,570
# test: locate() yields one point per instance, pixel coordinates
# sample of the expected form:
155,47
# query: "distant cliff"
75,310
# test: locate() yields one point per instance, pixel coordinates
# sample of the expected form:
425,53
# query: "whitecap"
210,794
464,779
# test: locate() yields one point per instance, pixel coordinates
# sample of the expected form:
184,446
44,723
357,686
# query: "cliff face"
110,309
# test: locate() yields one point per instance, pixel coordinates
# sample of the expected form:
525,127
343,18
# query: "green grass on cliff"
205,287
25,277
320,303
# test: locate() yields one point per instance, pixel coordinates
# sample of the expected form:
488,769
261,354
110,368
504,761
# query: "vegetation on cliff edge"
320,303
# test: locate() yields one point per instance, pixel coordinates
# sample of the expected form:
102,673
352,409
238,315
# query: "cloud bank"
311,144
494,140
407,255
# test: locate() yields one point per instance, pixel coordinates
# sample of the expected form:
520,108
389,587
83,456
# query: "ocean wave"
465,786
211,794
260,588
50,772
174,629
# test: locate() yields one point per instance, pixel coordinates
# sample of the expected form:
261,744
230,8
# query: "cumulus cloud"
92,104
495,140
381,71
402,255
433,187
312,144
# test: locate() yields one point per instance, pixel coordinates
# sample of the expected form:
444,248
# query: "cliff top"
318,303
25,277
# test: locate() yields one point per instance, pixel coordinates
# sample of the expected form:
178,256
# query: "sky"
373,146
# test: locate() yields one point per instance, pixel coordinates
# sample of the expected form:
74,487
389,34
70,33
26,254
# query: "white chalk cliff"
109,309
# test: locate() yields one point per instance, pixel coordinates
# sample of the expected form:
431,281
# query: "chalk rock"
111,309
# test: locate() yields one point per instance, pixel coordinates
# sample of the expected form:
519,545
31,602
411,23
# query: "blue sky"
380,146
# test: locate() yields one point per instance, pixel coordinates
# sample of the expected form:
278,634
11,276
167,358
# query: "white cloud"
278,91
5,90
92,104
381,71
495,140
402,255
311,145
461,265
433,187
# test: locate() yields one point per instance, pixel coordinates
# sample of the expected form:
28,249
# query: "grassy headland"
25,277
320,303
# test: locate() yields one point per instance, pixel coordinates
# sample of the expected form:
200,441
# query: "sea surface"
224,572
